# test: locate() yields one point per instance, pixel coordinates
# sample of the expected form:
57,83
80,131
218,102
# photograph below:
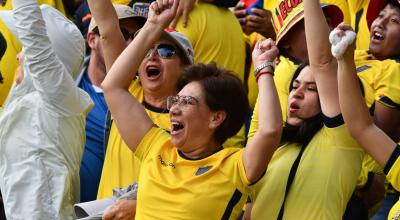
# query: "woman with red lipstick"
314,172
187,174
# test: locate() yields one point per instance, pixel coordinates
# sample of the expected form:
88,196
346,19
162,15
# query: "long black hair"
309,127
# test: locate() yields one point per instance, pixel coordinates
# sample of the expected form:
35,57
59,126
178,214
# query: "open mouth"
176,127
152,72
377,36
294,107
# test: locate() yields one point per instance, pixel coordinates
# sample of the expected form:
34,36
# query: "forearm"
267,138
50,78
317,32
352,104
112,40
127,64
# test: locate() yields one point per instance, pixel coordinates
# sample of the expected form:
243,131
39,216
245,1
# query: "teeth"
378,34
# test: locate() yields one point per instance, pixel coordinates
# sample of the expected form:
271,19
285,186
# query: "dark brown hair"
223,91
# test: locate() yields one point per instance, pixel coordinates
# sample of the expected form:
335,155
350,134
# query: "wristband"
264,65
263,73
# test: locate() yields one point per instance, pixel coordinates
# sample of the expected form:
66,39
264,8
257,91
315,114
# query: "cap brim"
168,36
8,19
96,207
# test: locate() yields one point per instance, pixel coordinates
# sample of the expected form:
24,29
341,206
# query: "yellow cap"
286,13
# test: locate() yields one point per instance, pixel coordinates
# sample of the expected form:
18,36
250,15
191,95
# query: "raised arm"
260,149
322,63
112,40
129,115
50,63
355,111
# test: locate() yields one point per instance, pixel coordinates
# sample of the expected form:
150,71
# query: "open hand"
184,8
260,22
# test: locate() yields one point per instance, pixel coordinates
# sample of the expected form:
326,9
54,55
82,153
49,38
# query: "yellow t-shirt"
206,23
392,170
324,182
284,72
380,79
358,15
214,187
121,168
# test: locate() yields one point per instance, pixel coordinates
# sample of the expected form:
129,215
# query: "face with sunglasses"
161,68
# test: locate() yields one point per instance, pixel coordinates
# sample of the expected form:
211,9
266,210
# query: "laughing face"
385,33
160,75
303,102
192,122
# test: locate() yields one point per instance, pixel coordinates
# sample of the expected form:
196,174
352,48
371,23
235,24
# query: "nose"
153,54
175,110
298,93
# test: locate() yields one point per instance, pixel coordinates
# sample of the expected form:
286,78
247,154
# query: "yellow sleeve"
387,84
392,169
152,140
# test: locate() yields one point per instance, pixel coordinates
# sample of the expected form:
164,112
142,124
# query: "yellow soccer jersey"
324,181
380,79
120,167
283,75
358,15
214,187
227,50
392,170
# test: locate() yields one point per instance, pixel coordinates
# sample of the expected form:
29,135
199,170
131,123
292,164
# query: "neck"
156,99
203,152
96,70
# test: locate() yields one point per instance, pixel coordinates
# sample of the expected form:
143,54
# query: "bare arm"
322,63
355,111
260,149
129,115
112,40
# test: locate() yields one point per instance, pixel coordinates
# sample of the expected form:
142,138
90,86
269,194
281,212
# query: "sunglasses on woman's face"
164,51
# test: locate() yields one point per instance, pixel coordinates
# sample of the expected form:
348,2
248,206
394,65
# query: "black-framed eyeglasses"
182,101
164,51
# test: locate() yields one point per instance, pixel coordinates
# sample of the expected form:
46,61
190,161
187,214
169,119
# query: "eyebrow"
306,82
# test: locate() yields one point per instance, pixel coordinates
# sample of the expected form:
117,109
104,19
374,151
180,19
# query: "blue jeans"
385,207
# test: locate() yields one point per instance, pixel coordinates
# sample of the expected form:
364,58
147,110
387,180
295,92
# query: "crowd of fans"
212,109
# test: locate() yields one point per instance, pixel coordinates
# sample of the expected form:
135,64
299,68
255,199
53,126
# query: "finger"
154,7
253,25
239,5
260,12
109,215
174,7
256,19
185,17
242,21
240,13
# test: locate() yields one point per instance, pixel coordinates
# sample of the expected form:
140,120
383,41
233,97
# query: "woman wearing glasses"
187,174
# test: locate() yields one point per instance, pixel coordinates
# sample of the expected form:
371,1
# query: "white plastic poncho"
42,126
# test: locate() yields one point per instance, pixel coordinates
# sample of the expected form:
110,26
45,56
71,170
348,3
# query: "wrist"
265,65
264,72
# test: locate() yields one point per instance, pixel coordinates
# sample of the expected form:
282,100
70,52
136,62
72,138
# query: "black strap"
292,174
